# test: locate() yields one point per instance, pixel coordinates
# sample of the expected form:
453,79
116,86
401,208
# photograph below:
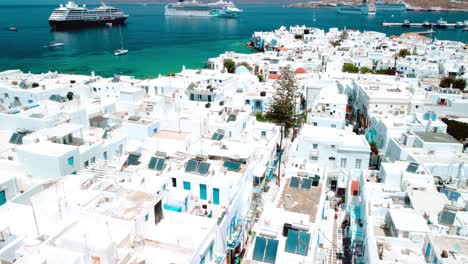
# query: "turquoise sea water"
159,44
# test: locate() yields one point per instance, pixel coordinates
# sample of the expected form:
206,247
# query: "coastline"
412,5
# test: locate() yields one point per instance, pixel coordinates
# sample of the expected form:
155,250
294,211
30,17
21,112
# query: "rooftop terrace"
437,137
299,199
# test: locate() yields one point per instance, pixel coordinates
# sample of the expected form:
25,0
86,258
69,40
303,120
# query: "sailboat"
120,51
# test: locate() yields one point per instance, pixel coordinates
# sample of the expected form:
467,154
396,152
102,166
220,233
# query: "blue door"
202,191
428,250
2,197
215,196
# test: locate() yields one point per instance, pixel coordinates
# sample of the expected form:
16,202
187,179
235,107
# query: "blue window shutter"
202,191
215,196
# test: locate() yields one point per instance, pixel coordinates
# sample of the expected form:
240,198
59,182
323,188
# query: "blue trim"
2,197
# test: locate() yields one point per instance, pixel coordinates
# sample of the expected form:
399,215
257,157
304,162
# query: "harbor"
147,43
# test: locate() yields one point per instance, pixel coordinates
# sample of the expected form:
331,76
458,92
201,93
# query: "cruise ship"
390,6
195,8
71,16
363,9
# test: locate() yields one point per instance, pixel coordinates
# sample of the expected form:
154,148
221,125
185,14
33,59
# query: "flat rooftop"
456,247
174,135
408,220
437,137
47,148
299,200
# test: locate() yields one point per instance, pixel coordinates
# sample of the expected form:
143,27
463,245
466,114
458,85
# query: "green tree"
260,117
335,43
403,53
344,35
230,65
388,71
282,108
298,36
260,78
456,129
366,70
459,83
448,81
349,67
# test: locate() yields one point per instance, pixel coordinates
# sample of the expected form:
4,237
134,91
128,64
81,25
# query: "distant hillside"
446,4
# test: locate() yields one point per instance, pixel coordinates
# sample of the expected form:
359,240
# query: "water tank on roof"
262,93
286,228
208,105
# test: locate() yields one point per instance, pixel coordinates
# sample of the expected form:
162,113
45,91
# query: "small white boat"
120,52
54,44
109,24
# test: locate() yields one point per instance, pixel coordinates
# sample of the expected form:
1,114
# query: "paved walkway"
335,253
334,238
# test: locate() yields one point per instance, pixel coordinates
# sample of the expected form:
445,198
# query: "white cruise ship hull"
201,10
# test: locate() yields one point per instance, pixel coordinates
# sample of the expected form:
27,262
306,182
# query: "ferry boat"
390,6
197,9
71,15
363,9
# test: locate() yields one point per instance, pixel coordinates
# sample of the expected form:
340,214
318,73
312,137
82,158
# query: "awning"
355,187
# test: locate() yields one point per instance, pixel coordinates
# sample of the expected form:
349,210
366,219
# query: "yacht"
121,51
406,23
427,24
72,16
54,44
441,23
198,9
